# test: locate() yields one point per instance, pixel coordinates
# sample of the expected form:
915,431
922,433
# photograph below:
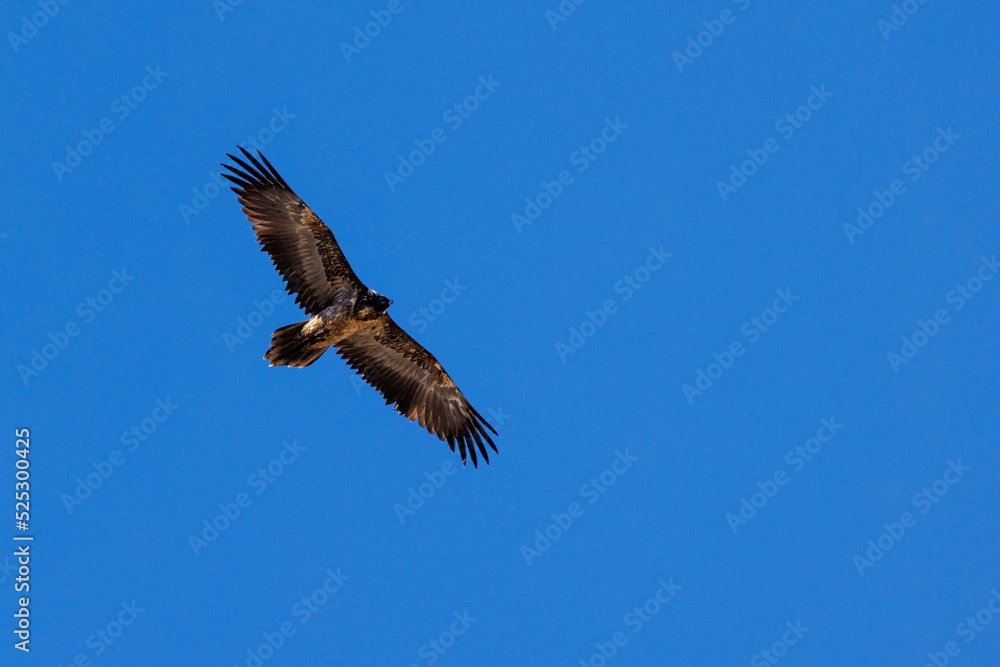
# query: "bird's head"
371,305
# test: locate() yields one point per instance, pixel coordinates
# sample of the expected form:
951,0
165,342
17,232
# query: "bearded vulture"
346,315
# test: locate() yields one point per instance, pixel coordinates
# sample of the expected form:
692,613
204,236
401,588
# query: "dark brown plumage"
347,315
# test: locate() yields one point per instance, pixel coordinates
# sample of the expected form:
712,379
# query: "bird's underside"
346,315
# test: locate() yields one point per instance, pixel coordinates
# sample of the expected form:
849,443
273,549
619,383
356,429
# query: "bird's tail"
290,347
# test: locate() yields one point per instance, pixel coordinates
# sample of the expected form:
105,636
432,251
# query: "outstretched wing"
301,246
409,376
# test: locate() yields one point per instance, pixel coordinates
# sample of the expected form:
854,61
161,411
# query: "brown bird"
345,314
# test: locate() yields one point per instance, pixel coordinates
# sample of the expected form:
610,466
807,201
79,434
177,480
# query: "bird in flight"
346,315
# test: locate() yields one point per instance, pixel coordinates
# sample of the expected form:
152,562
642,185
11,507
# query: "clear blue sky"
722,275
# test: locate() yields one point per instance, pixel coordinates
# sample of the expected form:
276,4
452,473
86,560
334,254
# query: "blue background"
164,335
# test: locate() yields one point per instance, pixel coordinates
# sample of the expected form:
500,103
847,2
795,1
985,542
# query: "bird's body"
347,315
350,313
